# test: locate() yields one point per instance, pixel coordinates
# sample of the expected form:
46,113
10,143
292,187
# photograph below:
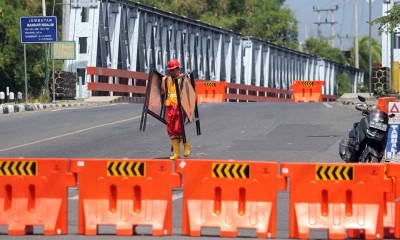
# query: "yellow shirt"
172,99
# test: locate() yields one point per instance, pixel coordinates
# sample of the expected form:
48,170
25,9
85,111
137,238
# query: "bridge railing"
245,93
329,98
116,82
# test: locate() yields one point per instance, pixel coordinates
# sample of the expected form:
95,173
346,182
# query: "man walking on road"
174,128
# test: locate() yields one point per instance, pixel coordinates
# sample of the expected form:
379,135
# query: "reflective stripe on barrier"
392,216
125,193
209,91
307,91
33,192
341,200
229,195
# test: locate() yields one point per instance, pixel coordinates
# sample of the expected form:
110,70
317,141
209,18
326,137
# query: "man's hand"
163,83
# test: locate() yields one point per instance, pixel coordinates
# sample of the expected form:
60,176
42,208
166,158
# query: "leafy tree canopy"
12,51
266,19
389,22
343,83
321,48
363,52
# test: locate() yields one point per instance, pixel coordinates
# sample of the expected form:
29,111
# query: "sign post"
36,29
26,81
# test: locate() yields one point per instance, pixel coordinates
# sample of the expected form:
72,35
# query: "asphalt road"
277,132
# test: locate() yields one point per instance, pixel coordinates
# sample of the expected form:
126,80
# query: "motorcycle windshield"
378,116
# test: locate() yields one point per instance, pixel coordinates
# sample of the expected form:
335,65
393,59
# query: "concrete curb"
120,99
8,108
29,107
19,108
94,101
372,101
355,102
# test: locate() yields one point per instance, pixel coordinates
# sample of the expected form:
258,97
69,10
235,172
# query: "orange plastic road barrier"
336,197
229,195
392,214
125,193
307,91
209,91
383,103
33,192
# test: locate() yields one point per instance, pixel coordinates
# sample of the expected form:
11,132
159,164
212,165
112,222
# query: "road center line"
68,134
327,105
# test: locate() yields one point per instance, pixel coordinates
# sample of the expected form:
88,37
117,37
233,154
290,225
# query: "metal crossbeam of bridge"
125,35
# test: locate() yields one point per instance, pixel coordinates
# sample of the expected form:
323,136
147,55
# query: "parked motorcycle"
367,139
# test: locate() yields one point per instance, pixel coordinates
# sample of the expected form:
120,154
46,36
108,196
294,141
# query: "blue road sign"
38,29
392,146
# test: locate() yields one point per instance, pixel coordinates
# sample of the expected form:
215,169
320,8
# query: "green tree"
268,20
389,22
12,51
265,19
343,83
322,48
363,51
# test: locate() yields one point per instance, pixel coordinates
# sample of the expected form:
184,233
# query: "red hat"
172,64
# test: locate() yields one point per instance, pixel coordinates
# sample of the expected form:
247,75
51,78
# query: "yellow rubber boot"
186,149
176,148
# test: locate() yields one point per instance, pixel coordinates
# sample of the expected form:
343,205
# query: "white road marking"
82,107
62,109
68,134
327,105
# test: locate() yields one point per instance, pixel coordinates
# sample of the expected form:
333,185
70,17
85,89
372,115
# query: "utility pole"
392,52
356,60
305,32
332,22
66,9
316,9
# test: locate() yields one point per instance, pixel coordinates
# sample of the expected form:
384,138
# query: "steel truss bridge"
125,35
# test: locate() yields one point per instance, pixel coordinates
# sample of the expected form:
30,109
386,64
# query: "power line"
331,22
343,14
340,37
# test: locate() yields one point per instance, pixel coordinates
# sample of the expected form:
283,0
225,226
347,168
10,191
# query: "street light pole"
391,53
356,34
369,50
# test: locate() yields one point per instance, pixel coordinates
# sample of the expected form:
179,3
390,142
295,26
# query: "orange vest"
172,99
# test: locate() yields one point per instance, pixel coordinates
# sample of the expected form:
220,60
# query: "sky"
344,17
